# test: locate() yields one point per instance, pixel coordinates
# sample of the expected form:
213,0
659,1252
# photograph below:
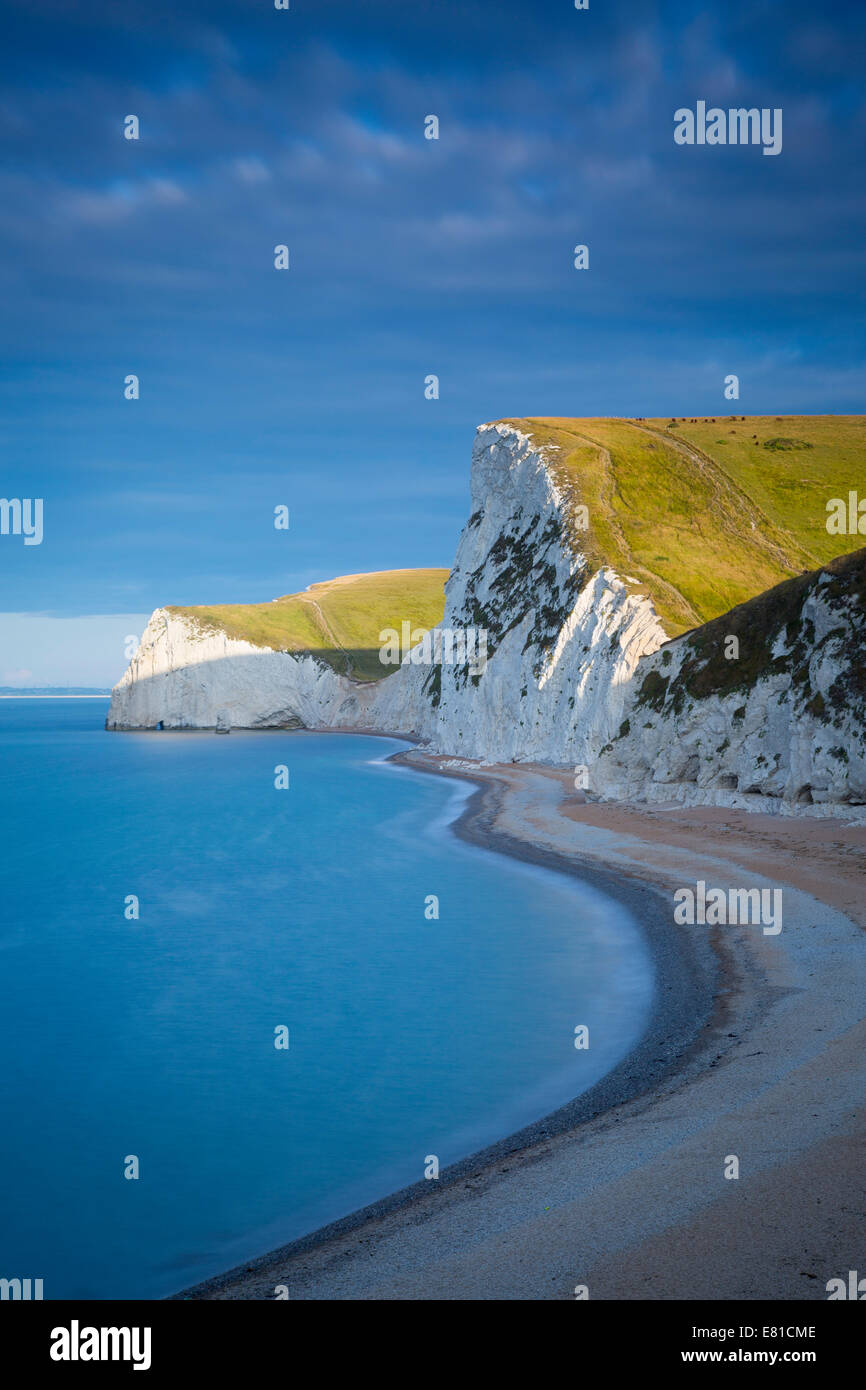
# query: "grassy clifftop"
701,514
338,620
706,513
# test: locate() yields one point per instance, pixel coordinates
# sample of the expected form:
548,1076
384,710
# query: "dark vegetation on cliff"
777,637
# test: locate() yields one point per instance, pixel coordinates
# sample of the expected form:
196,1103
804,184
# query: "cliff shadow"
263,689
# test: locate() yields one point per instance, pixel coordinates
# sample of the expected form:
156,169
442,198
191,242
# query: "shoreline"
623,1191
696,980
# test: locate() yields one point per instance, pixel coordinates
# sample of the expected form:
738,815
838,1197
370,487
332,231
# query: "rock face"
579,671
775,722
562,643
183,678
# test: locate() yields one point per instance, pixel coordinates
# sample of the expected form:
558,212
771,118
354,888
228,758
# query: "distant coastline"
45,692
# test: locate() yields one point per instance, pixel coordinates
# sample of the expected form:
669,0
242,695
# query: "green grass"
704,515
791,484
338,621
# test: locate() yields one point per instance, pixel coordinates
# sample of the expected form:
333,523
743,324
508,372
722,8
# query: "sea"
250,983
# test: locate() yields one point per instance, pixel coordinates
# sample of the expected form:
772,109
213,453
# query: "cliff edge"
588,622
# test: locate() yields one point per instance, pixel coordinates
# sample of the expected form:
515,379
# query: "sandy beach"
756,1051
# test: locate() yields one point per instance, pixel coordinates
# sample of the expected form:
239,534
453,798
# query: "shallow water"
262,908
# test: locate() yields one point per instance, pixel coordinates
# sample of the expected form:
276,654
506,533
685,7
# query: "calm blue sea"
260,908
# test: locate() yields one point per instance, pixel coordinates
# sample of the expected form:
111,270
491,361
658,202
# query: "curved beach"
756,1049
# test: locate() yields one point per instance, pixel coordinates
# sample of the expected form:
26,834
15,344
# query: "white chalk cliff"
569,651
787,731
183,677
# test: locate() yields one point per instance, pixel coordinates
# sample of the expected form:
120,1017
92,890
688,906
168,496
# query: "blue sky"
408,257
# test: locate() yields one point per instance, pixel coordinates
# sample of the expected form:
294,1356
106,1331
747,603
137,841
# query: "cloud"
251,170
120,201
408,256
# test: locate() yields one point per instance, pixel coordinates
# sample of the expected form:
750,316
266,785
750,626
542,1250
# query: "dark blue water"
261,908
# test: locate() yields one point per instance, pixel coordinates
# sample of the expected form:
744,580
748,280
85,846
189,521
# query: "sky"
408,257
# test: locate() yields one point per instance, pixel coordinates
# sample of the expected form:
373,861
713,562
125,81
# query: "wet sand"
756,1051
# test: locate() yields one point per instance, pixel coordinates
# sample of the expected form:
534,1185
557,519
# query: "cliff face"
765,707
579,670
562,643
184,678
